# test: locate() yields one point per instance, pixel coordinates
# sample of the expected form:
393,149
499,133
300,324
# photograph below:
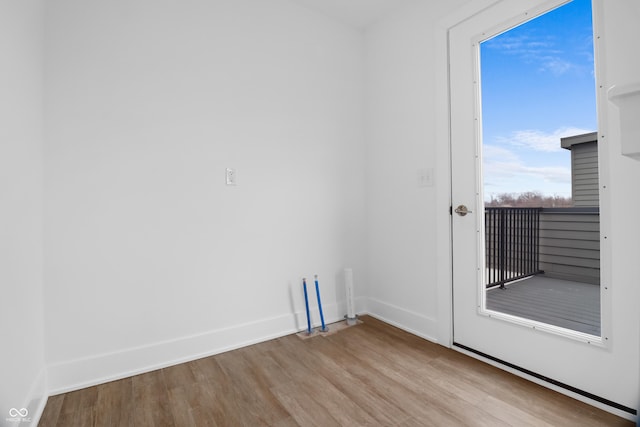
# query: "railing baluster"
494,262
503,251
511,244
518,249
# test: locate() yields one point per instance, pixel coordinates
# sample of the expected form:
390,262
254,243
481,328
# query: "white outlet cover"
230,176
425,177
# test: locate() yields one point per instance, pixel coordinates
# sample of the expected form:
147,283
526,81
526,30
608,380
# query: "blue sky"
538,85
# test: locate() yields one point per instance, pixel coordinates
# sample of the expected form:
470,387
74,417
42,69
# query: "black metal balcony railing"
511,244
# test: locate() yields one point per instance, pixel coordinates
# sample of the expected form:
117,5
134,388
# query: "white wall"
150,258
402,226
22,372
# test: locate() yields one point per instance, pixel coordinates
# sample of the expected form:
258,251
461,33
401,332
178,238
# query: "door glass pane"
540,170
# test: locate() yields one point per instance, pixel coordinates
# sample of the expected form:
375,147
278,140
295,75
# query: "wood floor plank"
151,400
304,409
368,375
221,410
178,375
114,406
78,400
149,387
154,413
205,369
434,402
251,389
371,401
225,408
51,411
82,417
266,366
510,414
203,416
189,400
287,422
339,405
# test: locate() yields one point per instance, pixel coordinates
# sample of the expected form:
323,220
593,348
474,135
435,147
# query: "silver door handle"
462,210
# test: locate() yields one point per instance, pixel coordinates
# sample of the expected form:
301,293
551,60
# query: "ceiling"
356,13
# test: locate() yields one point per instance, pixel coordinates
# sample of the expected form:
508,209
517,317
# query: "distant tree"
529,199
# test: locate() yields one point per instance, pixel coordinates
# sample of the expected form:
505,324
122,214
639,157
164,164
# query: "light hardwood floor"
371,374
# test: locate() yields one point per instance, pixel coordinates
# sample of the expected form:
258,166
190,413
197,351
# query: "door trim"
444,257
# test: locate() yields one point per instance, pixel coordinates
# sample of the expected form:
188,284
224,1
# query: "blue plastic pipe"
306,304
324,328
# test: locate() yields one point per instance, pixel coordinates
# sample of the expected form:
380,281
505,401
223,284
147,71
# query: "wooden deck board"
563,303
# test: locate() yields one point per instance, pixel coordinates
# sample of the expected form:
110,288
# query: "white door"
535,348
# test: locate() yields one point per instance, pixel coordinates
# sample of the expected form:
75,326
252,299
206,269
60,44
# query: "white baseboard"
86,372
414,323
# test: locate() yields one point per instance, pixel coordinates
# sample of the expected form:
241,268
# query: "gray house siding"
584,168
584,179
570,244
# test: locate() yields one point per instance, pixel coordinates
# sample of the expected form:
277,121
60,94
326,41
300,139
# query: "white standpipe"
351,303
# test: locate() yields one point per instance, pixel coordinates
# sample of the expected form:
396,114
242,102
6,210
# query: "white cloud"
555,65
493,153
524,46
505,172
539,140
555,174
533,49
498,170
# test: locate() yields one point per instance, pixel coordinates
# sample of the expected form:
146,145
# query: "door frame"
445,332
605,317
444,273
